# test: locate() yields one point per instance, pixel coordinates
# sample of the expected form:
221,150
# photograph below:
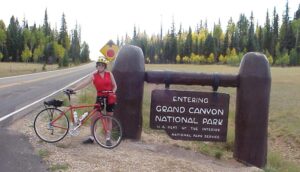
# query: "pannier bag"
112,98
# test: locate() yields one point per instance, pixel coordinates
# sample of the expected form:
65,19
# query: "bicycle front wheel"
107,131
51,125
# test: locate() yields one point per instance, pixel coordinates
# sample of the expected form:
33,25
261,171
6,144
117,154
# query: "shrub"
283,61
186,60
269,57
211,58
178,59
1,56
222,59
294,57
233,60
195,59
202,59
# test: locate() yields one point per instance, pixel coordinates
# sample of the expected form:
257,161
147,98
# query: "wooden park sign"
186,115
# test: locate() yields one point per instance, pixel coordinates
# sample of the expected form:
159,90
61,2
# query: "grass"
278,164
59,167
11,69
43,153
284,106
284,116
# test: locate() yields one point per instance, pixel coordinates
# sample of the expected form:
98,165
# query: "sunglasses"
100,64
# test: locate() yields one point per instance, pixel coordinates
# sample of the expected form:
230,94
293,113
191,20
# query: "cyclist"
103,80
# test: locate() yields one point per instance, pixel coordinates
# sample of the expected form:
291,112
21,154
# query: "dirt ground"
151,153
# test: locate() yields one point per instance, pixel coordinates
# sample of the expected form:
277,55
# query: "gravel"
152,153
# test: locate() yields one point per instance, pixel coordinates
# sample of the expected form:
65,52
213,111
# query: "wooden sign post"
129,72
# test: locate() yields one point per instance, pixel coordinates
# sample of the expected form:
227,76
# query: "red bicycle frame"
71,108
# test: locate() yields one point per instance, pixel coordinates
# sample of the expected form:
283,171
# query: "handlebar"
68,92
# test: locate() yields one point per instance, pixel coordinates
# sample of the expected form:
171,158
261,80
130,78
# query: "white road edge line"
25,107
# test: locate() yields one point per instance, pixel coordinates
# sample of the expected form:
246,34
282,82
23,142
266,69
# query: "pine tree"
85,52
218,37
134,37
14,39
231,31
65,60
2,39
63,38
46,25
226,43
267,37
259,34
275,30
74,52
287,39
166,49
297,13
143,43
209,45
188,44
173,43
251,46
235,41
242,32
151,50
180,44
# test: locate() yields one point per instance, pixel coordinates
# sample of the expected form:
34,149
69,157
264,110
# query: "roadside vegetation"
12,69
59,167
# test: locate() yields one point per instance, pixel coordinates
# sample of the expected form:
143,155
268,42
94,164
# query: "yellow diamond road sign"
110,50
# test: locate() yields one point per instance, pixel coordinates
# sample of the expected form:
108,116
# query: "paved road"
19,95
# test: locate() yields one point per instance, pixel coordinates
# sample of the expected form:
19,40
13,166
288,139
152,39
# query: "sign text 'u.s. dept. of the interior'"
187,115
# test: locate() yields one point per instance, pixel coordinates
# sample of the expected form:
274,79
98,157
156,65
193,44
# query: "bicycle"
52,124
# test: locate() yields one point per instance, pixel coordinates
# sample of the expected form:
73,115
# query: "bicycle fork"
107,126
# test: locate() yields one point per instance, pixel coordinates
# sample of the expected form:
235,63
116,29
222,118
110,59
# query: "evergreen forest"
280,42
42,44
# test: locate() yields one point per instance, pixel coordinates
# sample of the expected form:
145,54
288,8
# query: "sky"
102,21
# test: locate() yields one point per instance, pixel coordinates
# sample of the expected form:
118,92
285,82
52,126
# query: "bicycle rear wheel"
51,125
107,131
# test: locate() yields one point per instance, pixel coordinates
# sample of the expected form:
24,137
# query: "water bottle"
75,118
83,116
